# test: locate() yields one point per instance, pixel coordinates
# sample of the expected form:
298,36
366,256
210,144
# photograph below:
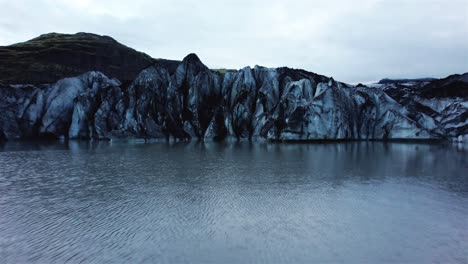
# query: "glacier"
195,102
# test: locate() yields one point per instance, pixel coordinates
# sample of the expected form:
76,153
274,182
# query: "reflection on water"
233,202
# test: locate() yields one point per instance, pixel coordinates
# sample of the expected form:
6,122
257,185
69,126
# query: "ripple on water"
233,202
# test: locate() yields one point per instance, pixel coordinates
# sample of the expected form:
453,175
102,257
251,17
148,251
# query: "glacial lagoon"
233,202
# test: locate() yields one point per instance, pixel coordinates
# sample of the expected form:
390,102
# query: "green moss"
223,70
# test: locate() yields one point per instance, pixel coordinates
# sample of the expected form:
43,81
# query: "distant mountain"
400,81
51,57
86,86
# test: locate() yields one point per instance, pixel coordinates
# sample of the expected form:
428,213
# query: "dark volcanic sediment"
187,100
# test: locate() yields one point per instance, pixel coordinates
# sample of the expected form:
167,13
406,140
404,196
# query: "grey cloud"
350,41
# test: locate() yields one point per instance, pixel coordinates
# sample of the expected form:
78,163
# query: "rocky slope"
51,57
186,100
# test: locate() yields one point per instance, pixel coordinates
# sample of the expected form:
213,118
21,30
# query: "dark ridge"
54,56
453,86
169,65
192,58
298,74
400,81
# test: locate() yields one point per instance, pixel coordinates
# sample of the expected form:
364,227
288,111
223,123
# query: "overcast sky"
353,41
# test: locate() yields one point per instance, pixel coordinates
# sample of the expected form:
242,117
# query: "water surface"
233,203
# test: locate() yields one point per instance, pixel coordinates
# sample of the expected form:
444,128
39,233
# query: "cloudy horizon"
352,42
